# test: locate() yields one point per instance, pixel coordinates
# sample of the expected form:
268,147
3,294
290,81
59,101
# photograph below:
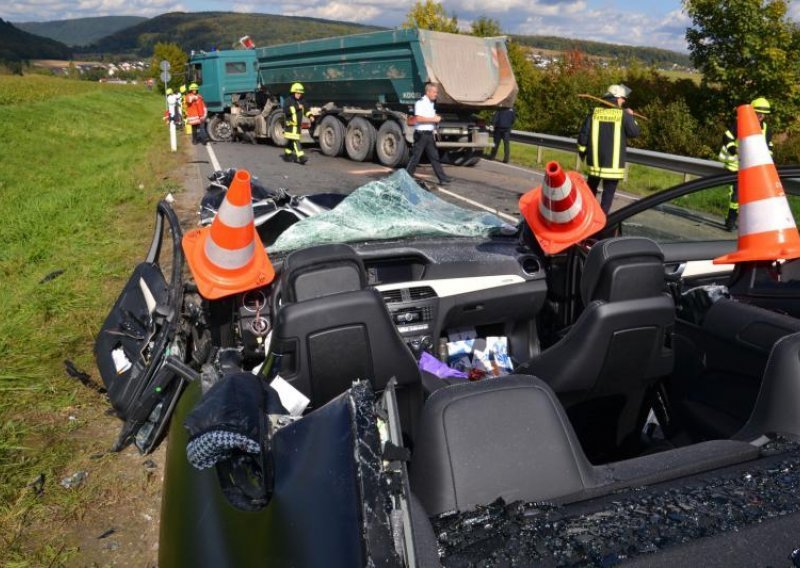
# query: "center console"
413,311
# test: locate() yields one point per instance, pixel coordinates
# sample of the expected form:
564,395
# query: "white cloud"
567,18
38,10
613,27
338,11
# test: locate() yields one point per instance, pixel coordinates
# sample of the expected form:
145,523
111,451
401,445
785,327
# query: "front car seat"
332,330
617,349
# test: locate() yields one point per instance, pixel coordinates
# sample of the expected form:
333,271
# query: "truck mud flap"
138,351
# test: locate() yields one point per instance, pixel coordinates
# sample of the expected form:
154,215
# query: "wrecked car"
403,382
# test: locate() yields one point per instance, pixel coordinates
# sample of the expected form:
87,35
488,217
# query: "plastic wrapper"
488,357
392,208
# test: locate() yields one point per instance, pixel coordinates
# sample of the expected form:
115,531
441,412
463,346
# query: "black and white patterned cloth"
207,449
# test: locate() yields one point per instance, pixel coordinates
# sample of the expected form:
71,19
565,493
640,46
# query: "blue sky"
656,23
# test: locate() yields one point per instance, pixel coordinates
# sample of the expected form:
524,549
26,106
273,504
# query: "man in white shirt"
426,120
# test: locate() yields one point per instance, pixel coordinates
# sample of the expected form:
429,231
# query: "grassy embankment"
82,168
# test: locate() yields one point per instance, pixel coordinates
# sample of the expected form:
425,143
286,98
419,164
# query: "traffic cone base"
562,211
228,257
767,229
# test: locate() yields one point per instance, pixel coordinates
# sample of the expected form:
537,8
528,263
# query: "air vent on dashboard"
421,292
392,296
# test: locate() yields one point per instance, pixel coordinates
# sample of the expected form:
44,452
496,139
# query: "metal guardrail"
672,162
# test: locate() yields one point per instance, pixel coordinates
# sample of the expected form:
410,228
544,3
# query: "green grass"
677,75
79,180
15,90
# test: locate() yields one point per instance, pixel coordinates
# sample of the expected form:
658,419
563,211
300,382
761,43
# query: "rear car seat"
510,438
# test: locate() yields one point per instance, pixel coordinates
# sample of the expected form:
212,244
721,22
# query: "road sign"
164,65
165,76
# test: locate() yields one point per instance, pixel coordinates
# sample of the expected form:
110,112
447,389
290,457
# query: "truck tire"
219,129
359,140
275,128
331,136
391,146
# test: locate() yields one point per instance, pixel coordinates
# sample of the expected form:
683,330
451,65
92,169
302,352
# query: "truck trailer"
361,90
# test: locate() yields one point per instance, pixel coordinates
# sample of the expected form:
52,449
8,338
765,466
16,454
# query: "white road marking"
520,168
370,171
479,205
213,157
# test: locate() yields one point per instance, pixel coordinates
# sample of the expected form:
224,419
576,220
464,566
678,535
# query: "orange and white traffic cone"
767,230
562,211
228,257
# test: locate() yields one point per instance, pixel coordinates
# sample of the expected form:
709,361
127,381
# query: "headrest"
623,268
320,271
324,344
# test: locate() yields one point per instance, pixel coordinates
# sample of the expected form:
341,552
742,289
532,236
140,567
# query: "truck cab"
223,75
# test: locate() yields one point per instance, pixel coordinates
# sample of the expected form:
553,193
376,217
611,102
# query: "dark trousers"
733,196
199,134
424,142
609,189
503,134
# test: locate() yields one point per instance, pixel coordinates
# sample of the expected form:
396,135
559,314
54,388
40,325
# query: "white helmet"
619,91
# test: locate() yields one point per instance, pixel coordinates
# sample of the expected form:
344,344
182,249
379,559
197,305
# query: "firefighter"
603,140
729,156
173,107
182,92
294,111
196,115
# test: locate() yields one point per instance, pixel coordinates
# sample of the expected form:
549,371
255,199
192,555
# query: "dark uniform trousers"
424,142
503,134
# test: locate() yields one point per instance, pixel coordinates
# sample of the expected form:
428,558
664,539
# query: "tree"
746,49
430,15
485,27
177,58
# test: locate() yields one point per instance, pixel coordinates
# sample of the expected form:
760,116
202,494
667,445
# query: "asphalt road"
492,185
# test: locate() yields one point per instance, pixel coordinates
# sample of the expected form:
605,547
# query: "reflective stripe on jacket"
729,153
604,139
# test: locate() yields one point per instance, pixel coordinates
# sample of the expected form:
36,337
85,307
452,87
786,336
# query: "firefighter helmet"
193,87
169,91
297,88
182,89
761,105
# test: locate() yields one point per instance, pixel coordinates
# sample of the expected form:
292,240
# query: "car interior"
625,375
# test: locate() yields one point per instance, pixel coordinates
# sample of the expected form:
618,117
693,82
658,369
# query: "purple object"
432,365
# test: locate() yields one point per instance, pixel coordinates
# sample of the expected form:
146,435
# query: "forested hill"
649,55
17,45
204,30
80,31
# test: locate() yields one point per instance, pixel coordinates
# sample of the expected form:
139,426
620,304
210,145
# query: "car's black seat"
505,437
320,271
510,437
331,330
618,347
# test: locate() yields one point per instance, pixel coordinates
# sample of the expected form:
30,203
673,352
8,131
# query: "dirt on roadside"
121,526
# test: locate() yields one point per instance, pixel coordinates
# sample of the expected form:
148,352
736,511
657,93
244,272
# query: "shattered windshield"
391,208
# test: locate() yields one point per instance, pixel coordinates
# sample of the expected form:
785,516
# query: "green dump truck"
361,90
